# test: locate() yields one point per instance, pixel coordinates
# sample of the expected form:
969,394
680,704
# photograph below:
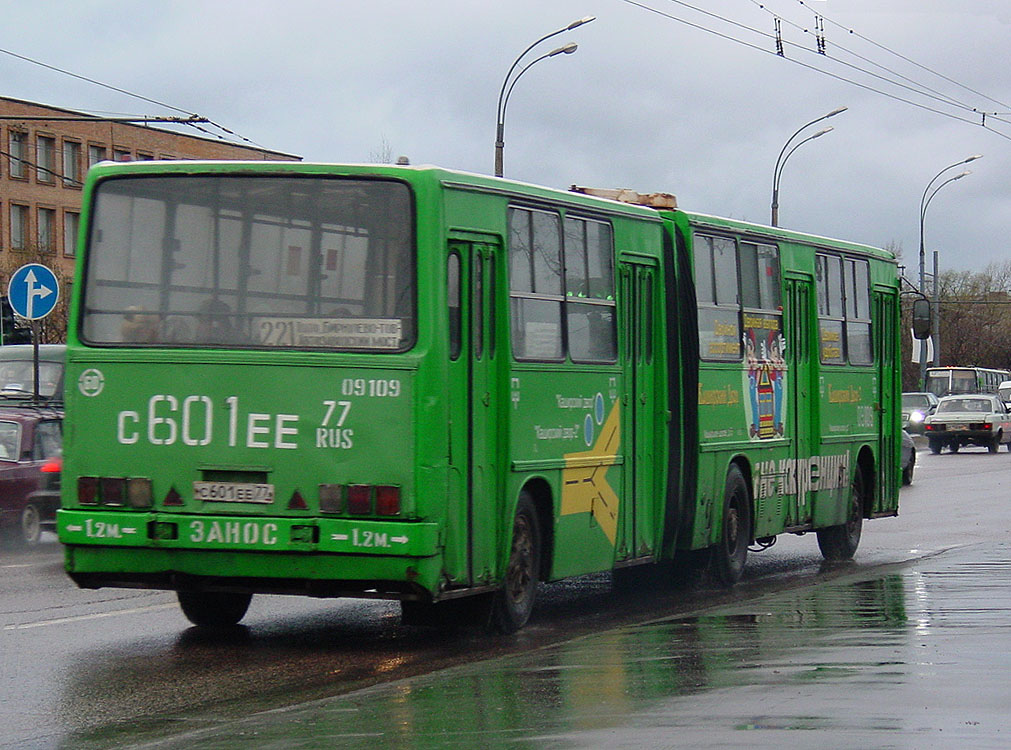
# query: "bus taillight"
387,500
113,490
138,492
87,490
360,499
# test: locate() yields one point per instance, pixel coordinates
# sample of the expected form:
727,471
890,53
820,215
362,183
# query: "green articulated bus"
416,384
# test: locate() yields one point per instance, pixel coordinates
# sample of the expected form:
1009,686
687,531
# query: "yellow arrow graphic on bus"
584,478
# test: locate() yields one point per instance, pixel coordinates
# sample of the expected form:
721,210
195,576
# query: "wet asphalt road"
906,647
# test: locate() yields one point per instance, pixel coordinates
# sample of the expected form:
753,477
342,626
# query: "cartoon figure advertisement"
764,377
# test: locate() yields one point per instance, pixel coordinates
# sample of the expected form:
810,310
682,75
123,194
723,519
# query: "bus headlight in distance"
138,492
387,500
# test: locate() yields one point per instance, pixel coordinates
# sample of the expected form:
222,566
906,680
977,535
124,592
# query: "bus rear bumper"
311,556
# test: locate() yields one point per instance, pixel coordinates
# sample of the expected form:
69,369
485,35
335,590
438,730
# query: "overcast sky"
648,101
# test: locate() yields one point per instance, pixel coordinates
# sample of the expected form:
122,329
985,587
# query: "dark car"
916,407
908,462
31,441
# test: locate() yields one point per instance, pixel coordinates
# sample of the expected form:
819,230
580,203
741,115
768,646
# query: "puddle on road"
912,659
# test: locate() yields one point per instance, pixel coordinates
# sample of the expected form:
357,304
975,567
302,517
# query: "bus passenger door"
474,492
887,357
801,349
642,468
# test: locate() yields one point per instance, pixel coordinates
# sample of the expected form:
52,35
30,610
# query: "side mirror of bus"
922,323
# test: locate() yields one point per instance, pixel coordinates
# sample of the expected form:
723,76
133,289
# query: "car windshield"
17,377
915,401
950,406
10,435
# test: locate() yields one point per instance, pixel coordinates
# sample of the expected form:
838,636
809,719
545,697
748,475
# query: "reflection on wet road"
913,657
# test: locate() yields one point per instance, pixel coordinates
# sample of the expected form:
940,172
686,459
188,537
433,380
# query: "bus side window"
453,300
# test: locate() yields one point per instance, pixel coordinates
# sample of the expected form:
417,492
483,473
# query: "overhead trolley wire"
134,95
835,76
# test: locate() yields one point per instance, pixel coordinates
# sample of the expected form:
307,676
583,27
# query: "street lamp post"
928,195
507,84
784,155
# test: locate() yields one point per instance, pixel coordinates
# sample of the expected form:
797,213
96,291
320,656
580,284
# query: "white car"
980,419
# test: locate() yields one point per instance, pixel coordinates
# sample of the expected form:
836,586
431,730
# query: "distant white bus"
944,381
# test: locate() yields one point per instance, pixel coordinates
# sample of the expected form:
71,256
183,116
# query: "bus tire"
731,552
214,608
513,603
840,542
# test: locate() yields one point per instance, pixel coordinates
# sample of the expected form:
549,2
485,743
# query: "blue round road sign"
33,291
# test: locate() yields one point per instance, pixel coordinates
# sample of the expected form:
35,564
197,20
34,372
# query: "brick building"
45,156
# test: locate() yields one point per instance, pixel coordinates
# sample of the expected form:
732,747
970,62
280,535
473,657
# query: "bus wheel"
840,542
213,608
731,552
513,603
31,525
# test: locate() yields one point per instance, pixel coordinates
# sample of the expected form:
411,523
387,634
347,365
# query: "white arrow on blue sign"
33,291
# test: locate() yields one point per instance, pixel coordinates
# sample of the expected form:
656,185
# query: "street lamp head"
973,158
580,22
960,176
835,112
820,133
568,49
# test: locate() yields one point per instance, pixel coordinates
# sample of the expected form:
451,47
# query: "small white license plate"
233,492
960,427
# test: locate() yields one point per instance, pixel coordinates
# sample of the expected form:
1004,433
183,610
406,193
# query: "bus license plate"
233,492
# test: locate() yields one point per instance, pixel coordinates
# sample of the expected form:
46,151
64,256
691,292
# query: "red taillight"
387,500
52,466
87,490
113,490
359,499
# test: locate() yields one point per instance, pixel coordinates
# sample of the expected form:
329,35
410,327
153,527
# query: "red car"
31,441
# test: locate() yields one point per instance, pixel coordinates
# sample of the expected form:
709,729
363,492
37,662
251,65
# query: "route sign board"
33,291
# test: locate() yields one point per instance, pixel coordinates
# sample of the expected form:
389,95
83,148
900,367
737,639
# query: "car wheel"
935,446
907,471
955,447
31,525
994,443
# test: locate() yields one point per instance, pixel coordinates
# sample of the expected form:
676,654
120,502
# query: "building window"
71,223
71,164
142,156
95,155
46,228
17,147
19,226
120,154
45,159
